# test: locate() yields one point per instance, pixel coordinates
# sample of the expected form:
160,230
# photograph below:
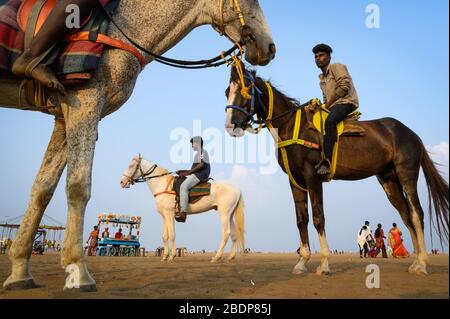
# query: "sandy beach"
257,275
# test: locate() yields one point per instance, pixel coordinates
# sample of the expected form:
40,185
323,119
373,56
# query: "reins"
144,176
224,58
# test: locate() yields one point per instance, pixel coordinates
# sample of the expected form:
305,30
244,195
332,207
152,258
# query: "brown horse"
388,150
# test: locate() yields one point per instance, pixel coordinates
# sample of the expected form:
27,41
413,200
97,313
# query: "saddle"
195,194
75,60
348,127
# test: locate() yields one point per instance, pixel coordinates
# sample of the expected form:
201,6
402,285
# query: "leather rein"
201,64
255,98
144,177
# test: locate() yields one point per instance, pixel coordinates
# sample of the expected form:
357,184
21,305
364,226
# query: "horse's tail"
240,223
437,196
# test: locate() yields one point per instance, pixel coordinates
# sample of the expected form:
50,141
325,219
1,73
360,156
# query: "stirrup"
180,217
323,164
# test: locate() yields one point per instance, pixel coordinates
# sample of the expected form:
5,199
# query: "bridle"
224,58
144,177
235,6
254,99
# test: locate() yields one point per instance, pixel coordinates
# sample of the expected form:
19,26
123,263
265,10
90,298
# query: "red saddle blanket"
79,57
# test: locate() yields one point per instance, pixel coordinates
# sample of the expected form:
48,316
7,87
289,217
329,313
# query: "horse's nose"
272,49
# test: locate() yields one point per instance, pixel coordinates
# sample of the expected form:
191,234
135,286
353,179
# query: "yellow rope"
233,4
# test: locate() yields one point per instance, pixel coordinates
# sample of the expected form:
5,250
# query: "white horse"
157,26
224,198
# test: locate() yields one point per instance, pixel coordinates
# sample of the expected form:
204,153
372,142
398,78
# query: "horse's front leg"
316,195
171,229
43,188
301,210
81,129
165,237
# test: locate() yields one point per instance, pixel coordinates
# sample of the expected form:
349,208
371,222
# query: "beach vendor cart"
128,245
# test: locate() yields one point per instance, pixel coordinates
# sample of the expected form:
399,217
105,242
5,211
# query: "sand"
257,275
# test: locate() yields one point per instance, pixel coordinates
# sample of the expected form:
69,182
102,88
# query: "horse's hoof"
231,259
215,260
298,271
88,288
323,272
418,269
20,285
82,288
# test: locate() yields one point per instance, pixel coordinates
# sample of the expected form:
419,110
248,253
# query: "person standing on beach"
379,238
93,242
362,241
396,242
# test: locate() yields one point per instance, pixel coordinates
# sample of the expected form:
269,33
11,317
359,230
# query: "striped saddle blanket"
76,61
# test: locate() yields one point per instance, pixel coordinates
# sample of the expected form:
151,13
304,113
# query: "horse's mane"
289,101
165,170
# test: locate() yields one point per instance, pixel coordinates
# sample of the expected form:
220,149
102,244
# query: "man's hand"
183,174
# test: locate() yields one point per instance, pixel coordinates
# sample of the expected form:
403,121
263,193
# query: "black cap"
322,48
197,139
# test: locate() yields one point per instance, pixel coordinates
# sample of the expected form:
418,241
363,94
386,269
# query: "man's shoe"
180,217
324,168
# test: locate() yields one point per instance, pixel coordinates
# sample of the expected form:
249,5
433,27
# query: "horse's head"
132,172
242,101
242,21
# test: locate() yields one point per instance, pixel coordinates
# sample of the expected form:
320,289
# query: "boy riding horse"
198,173
340,99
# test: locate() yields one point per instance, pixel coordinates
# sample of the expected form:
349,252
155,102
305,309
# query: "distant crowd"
370,245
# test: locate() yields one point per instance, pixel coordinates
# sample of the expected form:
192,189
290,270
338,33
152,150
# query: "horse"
78,112
388,150
226,199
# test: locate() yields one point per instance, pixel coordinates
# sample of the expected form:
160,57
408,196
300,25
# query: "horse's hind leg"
301,212
45,184
225,221
233,234
408,179
394,192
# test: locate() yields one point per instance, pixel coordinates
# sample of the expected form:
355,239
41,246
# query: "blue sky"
400,70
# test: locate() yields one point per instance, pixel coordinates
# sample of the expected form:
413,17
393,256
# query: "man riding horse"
339,96
198,173
53,30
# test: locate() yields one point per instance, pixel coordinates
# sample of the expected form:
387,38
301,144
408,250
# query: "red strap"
84,36
166,191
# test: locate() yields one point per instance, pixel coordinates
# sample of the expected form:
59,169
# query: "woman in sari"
396,242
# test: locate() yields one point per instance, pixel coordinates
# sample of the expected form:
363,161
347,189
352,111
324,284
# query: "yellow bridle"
234,4
236,59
